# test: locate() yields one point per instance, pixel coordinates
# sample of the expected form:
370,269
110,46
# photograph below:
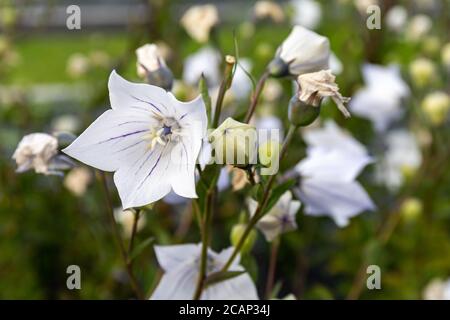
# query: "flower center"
167,130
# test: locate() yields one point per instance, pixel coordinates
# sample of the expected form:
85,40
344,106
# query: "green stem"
118,238
226,83
205,242
259,213
272,266
134,230
255,96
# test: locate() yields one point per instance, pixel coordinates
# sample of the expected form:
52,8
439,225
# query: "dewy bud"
302,114
151,65
234,143
303,51
236,234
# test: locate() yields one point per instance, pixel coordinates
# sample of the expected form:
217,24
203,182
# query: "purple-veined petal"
113,139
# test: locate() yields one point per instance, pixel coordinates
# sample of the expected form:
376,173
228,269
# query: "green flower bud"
236,234
234,143
436,107
302,114
422,71
411,209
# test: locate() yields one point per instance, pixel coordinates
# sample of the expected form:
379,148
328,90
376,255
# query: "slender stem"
226,83
255,96
134,230
259,213
272,266
118,238
205,242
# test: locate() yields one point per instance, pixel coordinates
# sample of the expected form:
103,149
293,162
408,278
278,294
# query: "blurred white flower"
380,100
402,157
335,64
315,86
437,289
307,13
331,137
241,87
151,66
39,151
265,124
268,10
362,5
199,20
327,175
149,59
206,61
77,65
126,219
77,180
301,52
396,18
149,139
272,90
279,219
418,27
66,123
181,270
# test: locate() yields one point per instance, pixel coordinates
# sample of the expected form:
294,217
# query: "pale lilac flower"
402,156
327,175
307,13
437,289
181,270
241,87
206,61
279,219
199,21
380,100
149,139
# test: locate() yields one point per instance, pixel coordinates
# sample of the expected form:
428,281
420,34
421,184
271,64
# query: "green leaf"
140,247
277,192
222,276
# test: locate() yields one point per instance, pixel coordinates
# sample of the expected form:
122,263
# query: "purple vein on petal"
152,169
122,136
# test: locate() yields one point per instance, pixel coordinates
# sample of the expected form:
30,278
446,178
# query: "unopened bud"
236,234
302,114
411,209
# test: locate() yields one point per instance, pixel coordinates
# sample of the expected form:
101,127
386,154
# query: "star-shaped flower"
149,139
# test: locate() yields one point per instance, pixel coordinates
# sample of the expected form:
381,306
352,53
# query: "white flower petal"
178,284
388,79
331,137
113,139
139,96
334,165
339,200
170,257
